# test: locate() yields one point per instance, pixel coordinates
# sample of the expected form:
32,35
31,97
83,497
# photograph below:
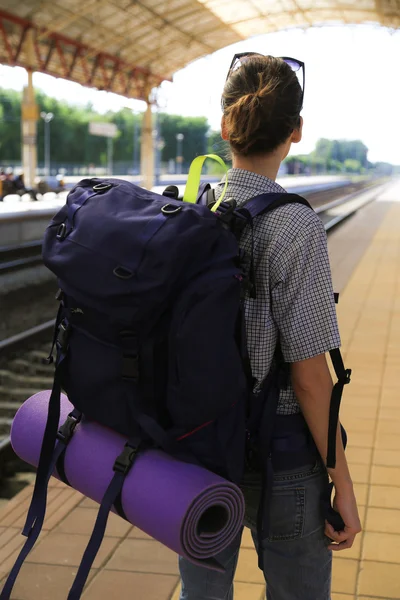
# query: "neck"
266,164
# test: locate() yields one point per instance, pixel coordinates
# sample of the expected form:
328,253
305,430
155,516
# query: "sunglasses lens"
297,68
293,64
240,60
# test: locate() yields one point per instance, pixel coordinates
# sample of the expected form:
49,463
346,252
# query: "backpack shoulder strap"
202,194
264,203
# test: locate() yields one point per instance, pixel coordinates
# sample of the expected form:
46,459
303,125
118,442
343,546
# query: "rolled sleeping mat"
187,508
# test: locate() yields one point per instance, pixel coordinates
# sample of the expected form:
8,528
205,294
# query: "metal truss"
60,56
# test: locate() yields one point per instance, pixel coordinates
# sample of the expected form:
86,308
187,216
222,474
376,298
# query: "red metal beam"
73,63
122,80
49,55
84,65
6,42
111,79
117,75
20,43
103,72
61,56
95,66
14,19
41,62
129,80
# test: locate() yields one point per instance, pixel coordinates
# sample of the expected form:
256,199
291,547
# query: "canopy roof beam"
75,61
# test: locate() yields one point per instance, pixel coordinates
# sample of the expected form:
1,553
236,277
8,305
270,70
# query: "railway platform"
23,222
365,259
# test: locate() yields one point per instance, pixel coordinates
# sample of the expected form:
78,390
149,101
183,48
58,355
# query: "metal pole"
179,158
47,147
136,145
147,150
29,116
110,148
157,148
47,118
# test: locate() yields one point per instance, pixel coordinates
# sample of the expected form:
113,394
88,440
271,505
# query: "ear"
224,132
298,133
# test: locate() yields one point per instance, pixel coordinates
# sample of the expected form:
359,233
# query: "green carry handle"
193,181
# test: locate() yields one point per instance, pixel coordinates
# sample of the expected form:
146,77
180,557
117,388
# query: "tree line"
337,156
71,142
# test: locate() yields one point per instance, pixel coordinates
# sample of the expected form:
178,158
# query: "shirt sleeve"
302,298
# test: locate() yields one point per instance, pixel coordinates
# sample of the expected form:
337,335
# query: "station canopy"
130,46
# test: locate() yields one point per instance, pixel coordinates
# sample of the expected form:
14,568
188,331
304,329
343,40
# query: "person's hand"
345,503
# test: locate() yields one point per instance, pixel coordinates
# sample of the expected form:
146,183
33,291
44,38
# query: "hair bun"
261,103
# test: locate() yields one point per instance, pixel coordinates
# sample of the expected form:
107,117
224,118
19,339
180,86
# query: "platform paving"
365,257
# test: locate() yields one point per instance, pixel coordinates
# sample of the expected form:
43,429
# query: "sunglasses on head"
296,65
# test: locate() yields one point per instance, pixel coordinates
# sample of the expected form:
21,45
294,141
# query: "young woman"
294,304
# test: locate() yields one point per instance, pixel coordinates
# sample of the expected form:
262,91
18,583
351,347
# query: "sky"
352,85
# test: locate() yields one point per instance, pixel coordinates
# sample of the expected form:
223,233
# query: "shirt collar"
259,184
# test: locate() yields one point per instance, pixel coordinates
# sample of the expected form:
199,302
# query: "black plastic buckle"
60,295
67,429
130,356
63,336
61,232
125,460
346,377
171,191
130,367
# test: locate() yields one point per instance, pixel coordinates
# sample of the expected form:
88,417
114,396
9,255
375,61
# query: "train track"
15,258
22,372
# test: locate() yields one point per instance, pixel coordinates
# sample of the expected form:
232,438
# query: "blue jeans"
297,562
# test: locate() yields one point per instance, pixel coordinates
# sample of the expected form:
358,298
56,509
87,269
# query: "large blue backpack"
150,335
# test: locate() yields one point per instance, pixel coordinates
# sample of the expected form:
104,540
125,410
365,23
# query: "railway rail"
22,374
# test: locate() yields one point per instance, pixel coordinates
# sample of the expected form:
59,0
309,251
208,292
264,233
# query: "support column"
147,150
29,117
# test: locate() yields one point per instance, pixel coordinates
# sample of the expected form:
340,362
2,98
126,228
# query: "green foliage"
335,156
195,131
71,142
352,166
10,125
341,150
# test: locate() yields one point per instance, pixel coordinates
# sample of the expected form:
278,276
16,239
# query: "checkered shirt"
293,283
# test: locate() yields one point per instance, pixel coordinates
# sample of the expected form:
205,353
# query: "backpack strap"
264,420
265,203
261,205
122,466
343,378
204,188
255,207
210,197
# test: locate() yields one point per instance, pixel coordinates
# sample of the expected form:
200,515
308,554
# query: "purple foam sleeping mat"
189,509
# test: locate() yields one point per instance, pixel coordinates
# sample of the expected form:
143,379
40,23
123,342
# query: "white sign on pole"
108,130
